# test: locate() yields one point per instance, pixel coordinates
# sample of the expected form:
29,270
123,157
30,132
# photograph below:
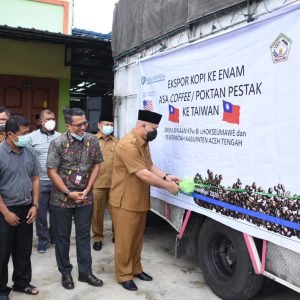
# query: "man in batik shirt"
73,164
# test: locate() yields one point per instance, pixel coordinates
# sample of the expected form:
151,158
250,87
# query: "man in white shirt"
40,140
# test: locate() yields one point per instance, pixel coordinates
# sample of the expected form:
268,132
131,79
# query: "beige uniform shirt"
2,136
107,147
127,190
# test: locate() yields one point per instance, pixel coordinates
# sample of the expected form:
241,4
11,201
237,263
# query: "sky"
94,15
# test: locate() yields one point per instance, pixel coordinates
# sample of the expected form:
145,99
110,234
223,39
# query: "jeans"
44,234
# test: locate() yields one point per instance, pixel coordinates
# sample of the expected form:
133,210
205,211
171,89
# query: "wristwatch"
67,193
35,205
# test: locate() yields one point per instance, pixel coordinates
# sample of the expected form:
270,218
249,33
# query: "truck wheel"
225,262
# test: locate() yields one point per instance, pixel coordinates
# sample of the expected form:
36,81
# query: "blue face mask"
23,140
77,137
107,129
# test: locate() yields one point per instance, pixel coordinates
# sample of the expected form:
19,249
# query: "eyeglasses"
84,124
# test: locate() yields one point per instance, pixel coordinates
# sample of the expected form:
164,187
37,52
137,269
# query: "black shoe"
97,246
143,276
51,243
113,239
129,285
91,280
67,282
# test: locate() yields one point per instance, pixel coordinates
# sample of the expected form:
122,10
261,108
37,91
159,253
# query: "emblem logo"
280,48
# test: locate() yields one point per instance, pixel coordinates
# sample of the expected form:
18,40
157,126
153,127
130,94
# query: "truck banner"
231,122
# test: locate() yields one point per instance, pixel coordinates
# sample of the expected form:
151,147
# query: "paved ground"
173,278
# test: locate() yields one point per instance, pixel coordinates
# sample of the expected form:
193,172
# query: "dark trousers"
17,242
44,234
61,222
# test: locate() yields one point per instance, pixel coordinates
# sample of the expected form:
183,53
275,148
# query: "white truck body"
229,94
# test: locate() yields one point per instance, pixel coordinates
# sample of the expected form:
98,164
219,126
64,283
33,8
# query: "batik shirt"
71,158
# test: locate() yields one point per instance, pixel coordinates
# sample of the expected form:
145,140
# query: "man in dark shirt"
19,193
73,164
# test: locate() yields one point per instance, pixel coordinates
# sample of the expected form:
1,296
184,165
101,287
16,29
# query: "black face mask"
151,135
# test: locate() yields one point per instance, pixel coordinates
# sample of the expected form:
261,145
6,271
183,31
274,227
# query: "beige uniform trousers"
129,237
101,199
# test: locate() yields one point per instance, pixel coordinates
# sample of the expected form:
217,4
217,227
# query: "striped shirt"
40,141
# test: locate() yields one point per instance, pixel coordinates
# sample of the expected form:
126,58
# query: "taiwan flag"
231,113
173,114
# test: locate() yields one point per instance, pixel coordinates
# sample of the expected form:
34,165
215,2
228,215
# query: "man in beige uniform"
133,174
4,115
102,184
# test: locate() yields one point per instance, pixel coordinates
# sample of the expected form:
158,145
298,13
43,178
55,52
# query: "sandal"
29,290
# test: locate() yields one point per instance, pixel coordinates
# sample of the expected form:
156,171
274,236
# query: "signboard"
230,107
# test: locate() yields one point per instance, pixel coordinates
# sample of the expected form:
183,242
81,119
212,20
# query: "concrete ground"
173,278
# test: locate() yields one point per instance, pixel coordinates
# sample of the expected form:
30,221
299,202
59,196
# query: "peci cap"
106,117
149,116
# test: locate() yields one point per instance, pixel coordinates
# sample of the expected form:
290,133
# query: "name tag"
78,179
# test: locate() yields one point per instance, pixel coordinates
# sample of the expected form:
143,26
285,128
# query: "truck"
225,77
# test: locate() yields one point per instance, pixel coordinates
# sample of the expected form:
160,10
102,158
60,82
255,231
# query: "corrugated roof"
20,33
92,34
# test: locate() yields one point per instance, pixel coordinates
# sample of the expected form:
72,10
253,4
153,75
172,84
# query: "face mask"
23,140
2,127
151,135
50,125
107,129
77,137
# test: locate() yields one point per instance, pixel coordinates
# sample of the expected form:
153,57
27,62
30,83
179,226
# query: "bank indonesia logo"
153,79
280,48
143,80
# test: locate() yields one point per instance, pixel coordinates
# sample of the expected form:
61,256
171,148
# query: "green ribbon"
187,186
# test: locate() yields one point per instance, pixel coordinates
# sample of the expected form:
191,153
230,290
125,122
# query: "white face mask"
50,125
107,129
77,137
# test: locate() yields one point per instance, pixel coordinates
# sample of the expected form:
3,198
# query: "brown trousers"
101,199
129,236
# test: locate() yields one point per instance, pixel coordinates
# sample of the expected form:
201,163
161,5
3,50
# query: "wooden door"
28,96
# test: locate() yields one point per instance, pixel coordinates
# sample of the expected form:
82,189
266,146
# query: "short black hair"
5,109
45,111
70,112
13,123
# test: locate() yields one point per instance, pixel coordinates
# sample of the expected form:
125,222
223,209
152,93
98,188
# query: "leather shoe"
67,282
97,246
143,276
91,280
129,285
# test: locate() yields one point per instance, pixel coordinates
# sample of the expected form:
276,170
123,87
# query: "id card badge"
78,179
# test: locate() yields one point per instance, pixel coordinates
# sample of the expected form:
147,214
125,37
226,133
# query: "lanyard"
75,158
79,161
